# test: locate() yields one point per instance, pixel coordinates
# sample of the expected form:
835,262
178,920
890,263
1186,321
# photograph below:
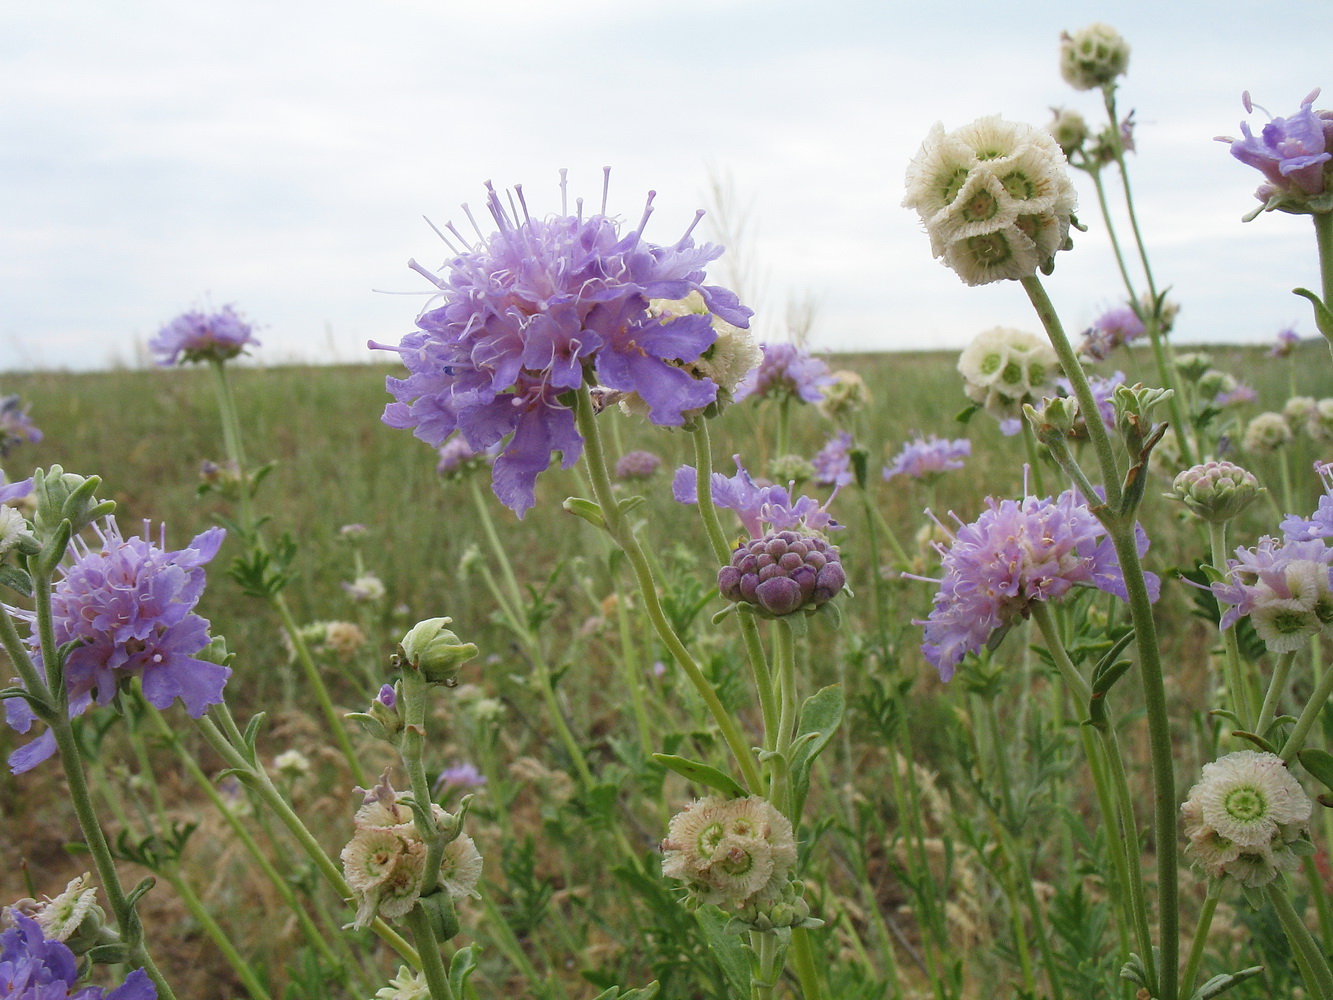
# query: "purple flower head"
16,426
1286,343
1320,523
1112,329
928,457
833,463
1235,396
34,968
1015,553
463,775
1290,152
196,336
786,371
130,603
637,465
544,306
756,505
1285,587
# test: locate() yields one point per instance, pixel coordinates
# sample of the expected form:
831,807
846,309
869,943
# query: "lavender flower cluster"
542,307
1014,554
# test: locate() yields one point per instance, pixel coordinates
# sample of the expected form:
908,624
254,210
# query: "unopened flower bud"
1193,365
435,651
781,573
1053,419
791,469
64,496
1216,491
292,764
1214,382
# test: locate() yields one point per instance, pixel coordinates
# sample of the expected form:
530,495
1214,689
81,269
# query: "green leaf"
646,993
370,724
630,504
1220,984
589,510
1103,678
1319,763
463,964
964,415
820,717
1256,739
15,579
730,950
1322,317
702,774
252,733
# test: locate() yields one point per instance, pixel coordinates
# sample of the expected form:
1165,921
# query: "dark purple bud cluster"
782,572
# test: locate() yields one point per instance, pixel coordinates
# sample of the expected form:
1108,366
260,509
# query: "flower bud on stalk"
1216,491
436,652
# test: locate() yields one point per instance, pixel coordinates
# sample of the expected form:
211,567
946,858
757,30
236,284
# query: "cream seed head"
1004,368
1266,433
1093,56
995,198
1246,818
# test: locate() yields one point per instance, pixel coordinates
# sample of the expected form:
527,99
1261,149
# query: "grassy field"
146,433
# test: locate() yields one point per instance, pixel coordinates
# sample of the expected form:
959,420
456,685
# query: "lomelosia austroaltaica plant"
539,308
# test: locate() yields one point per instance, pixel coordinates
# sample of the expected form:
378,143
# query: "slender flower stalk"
1120,526
623,533
228,744
1307,953
250,529
1236,683
1195,959
1277,684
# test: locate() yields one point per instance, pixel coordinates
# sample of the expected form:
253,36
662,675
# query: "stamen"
518,190
606,186
647,211
429,275
436,230
564,193
698,215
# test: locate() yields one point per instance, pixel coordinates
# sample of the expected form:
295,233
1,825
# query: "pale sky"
158,156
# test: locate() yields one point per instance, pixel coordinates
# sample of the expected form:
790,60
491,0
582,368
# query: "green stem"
623,534
1323,231
803,964
1095,172
783,444
318,940
336,724
1276,685
1121,818
1200,937
1240,691
1314,967
219,937
1318,699
493,539
1101,441
264,787
1034,458
432,963
1162,753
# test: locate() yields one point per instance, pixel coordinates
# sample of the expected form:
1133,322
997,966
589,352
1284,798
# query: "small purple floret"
131,604
833,464
1290,152
928,457
1114,328
196,336
16,426
755,505
34,968
786,371
637,465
